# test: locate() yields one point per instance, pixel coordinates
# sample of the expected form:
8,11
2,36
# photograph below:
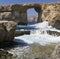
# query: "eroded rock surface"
51,13
45,11
11,15
56,52
7,30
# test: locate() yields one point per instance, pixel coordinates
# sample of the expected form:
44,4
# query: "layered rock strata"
45,12
7,30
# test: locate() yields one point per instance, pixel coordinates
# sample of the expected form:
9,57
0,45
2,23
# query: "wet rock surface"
32,51
5,55
51,13
56,52
21,32
53,33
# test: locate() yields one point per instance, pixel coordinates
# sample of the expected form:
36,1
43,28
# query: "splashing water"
40,35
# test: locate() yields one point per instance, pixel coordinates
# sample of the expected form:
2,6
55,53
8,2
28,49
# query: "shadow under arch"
39,11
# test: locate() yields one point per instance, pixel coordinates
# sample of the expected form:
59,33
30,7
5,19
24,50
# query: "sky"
30,11
24,1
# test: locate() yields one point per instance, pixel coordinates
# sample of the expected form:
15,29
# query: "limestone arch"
32,16
39,12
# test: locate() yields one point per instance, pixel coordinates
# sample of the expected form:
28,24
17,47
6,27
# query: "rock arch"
38,9
22,10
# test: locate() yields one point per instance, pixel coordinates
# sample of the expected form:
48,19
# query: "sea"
38,34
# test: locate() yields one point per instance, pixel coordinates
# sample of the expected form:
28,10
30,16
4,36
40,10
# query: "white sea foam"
37,36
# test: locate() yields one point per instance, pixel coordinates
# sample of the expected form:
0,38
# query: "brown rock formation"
18,12
51,13
7,30
10,15
21,32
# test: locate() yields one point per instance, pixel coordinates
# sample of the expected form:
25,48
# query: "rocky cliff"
18,12
11,15
51,13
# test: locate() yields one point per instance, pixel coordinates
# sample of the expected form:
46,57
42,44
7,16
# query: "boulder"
7,30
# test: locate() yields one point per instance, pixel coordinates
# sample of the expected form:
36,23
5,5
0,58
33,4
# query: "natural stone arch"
38,10
22,10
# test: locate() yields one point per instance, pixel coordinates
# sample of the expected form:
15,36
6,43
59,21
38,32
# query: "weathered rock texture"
18,12
51,13
56,52
7,30
11,15
15,13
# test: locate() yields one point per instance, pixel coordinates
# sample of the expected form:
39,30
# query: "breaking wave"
39,34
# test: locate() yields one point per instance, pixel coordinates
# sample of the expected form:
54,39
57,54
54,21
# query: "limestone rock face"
51,13
7,30
11,15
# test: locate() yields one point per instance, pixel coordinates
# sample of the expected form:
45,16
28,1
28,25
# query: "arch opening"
32,16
